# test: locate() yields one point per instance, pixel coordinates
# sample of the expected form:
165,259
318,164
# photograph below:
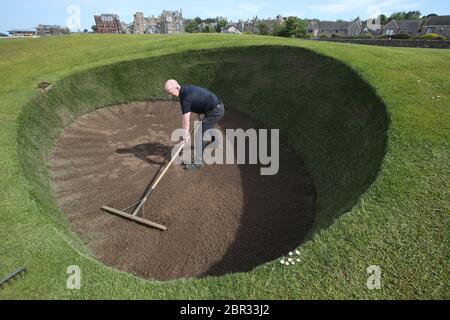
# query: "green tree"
221,24
294,27
263,28
207,29
192,27
94,28
413,15
198,20
279,29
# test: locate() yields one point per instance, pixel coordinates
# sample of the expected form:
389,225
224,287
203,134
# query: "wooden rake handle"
153,186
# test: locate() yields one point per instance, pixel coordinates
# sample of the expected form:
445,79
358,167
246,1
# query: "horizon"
50,12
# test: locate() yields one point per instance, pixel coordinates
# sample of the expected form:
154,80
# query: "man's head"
172,88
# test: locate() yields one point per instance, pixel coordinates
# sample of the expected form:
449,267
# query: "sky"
27,14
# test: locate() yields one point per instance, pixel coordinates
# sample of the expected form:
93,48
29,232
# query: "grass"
400,223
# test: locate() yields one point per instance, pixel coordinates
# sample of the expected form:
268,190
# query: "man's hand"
186,125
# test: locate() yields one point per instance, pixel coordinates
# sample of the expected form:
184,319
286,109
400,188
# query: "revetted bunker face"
326,113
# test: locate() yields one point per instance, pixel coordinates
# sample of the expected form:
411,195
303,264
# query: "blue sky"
29,13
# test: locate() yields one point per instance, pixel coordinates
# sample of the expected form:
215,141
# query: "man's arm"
186,124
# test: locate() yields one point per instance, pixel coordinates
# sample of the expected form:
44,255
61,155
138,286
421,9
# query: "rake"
140,204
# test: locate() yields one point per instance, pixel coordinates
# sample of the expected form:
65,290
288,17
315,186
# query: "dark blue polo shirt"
198,100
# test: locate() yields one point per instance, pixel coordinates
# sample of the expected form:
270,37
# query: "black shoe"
193,167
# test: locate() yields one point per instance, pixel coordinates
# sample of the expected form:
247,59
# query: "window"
430,30
389,32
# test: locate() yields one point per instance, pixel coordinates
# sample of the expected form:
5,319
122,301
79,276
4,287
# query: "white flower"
290,253
290,260
282,262
298,260
297,252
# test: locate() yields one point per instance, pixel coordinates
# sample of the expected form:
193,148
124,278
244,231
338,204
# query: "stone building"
139,23
409,27
439,25
127,28
108,23
331,28
49,30
231,29
172,22
152,25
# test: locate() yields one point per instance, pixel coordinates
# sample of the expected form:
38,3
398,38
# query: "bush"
308,36
400,36
365,36
335,36
323,36
431,36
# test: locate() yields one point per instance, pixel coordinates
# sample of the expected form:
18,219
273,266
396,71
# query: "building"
409,27
330,28
232,30
152,25
172,22
20,33
49,30
139,23
251,26
372,28
108,23
439,25
127,28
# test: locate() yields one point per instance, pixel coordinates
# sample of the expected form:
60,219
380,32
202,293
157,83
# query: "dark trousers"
209,121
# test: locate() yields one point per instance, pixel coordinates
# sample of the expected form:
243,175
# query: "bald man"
197,100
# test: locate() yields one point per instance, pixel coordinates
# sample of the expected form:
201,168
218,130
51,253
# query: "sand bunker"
221,219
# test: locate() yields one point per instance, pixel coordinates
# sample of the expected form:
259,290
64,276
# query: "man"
197,100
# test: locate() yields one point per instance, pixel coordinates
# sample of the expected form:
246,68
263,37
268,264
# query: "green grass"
333,119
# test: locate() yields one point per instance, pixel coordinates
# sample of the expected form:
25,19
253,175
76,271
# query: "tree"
94,28
294,27
279,29
198,20
192,27
383,19
207,29
85,31
397,16
263,28
221,24
413,15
